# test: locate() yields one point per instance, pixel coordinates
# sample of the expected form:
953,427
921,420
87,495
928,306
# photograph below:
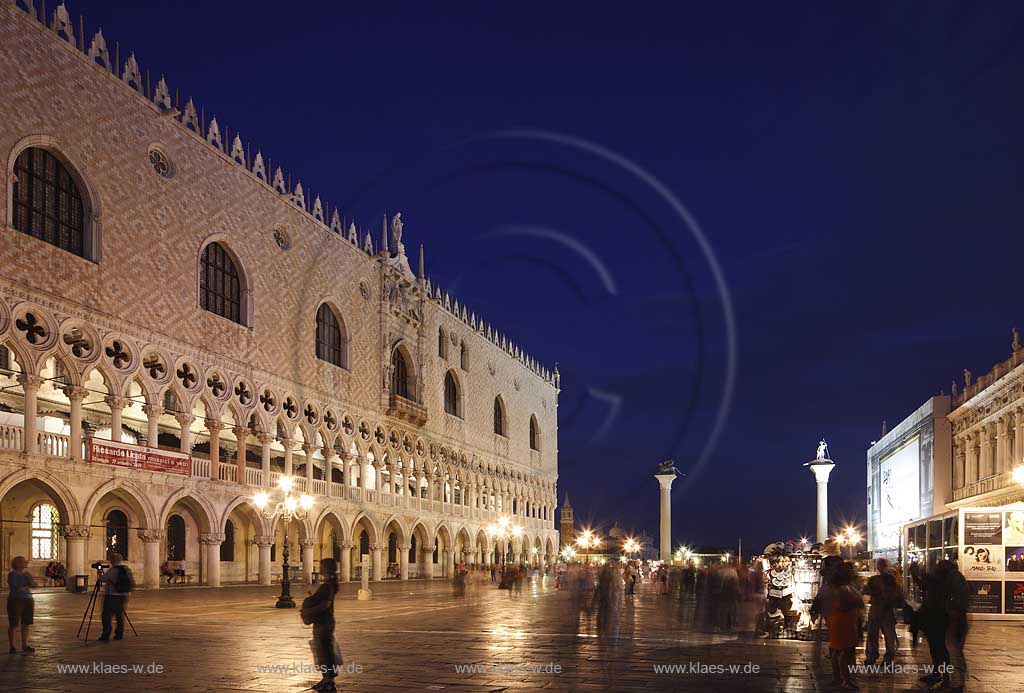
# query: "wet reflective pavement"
418,636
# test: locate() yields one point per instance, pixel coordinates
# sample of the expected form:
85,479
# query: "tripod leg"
90,605
95,598
130,624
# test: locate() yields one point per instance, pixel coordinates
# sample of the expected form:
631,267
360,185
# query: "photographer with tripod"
118,583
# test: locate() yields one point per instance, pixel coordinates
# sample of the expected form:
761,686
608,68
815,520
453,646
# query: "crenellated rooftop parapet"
260,168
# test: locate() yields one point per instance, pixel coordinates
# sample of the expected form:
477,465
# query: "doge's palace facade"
181,326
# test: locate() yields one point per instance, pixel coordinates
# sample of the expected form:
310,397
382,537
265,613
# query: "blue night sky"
855,170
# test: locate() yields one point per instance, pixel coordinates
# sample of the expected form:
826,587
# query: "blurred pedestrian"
843,623
20,603
318,610
886,597
118,584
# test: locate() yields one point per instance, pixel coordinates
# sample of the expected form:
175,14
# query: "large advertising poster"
136,457
983,528
1013,527
1014,603
984,597
900,496
981,561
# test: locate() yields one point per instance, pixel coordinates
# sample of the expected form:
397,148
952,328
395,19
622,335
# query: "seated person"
59,573
166,571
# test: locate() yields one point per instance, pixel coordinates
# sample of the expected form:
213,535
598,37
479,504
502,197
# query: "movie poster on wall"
1014,597
1014,561
1013,527
984,597
981,561
983,528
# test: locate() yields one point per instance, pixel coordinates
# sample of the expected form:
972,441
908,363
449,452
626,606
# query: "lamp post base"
285,601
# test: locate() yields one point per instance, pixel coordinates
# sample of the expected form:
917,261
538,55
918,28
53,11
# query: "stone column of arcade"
211,542
75,537
667,473
153,413
30,384
307,559
346,561
378,562
214,428
151,539
264,544
427,561
265,439
76,394
403,562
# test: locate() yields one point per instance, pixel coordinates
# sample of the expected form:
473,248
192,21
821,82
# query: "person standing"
318,609
932,619
886,597
843,623
20,603
118,584
956,623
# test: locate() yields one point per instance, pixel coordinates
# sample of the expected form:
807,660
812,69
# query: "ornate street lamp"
849,536
504,530
287,508
568,553
631,546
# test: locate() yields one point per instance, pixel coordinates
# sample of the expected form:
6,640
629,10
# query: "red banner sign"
137,457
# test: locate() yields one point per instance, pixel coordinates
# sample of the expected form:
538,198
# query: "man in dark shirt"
113,599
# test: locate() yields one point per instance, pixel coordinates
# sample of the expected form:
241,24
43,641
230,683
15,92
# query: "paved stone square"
414,635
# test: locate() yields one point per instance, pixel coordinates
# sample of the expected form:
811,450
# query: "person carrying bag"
318,611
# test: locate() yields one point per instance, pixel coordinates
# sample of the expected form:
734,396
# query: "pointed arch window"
499,417
399,375
117,534
329,342
451,395
534,434
227,547
220,284
442,343
175,538
45,532
48,204
464,356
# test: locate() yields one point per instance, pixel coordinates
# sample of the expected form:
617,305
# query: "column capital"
184,419
404,547
211,538
240,431
76,531
429,548
264,438
117,402
307,543
264,541
376,547
347,546
152,410
29,381
151,535
213,425
308,448
74,392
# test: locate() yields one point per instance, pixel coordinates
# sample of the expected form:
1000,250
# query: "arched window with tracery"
499,417
330,346
451,395
400,375
220,284
45,532
534,434
48,204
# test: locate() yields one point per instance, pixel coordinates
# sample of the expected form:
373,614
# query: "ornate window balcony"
407,410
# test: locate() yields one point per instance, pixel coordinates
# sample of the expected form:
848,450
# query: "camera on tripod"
100,566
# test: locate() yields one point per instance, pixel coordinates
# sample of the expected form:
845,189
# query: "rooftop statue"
396,231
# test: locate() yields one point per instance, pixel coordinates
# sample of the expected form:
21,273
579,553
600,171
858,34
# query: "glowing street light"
288,508
631,546
587,541
504,530
1018,474
568,553
849,536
